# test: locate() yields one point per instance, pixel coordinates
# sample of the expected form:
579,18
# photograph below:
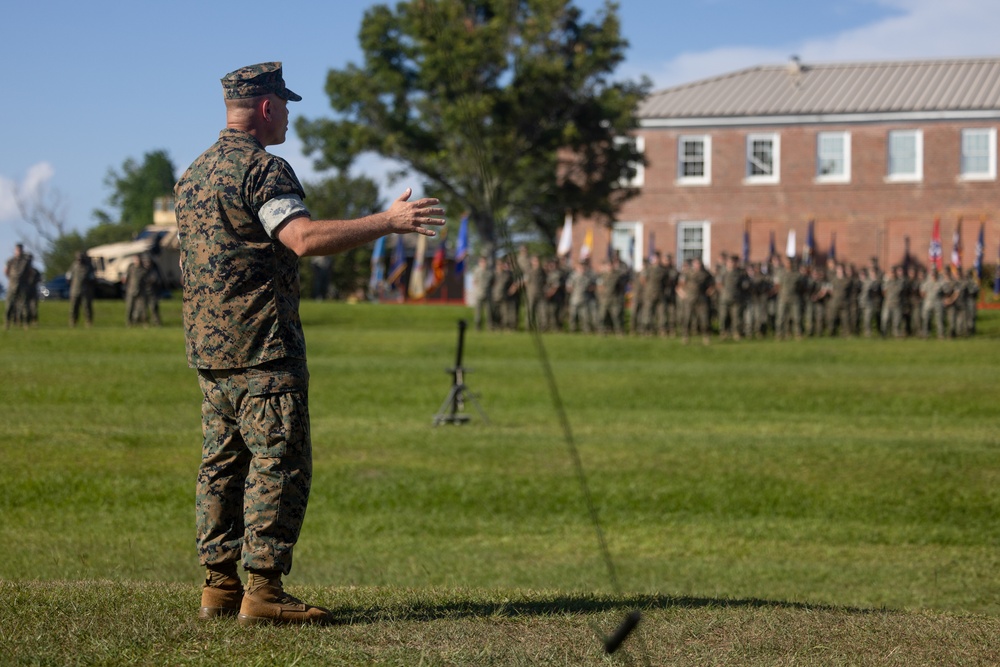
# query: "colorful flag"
462,245
566,239
934,253
790,246
956,246
417,284
980,249
746,242
398,262
771,252
438,265
996,277
588,244
833,246
810,243
377,273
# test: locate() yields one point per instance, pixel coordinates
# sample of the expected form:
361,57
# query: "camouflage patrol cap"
257,80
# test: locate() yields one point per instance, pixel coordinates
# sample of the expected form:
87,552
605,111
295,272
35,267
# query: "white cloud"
8,201
36,179
918,29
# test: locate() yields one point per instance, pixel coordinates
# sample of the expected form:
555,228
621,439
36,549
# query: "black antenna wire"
490,183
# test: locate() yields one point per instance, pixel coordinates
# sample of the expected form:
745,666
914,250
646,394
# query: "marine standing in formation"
81,289
243,226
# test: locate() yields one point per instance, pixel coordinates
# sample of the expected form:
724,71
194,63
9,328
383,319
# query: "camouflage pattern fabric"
243,333
256,468
241,288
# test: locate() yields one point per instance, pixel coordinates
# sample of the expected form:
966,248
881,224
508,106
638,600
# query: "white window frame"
918,148
775,175
991,158
706,143
706,241
639,179
844,157
626,236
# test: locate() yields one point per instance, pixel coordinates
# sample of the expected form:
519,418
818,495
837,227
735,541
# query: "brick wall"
869,216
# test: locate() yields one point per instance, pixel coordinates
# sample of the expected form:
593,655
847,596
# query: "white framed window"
626,240
906,155
638,178
694,240
763,158
833,157
694,160
979,154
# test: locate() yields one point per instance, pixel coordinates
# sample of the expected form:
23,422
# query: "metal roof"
793,89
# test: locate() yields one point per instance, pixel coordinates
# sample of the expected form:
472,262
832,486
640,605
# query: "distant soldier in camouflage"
652,317
893,288
135,307
932,291
554,295
787,287
482,293
81,289
15,271
243,226
579,286
732,298
971,301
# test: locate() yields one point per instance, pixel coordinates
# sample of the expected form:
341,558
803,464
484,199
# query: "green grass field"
816,502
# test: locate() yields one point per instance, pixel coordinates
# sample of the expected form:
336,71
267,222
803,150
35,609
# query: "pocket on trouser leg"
275,423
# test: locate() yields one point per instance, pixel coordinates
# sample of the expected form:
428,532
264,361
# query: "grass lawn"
828,501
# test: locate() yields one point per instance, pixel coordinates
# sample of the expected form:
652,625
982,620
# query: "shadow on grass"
583,605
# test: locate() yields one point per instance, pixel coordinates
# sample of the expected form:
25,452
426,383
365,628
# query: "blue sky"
91,84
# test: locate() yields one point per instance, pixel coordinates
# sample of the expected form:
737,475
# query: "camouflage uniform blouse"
241,287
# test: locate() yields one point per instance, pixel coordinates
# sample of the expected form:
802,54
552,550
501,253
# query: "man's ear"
265,108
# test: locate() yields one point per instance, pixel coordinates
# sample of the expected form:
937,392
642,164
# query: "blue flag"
810,243
398,262
378,275
771,251
980,248
462,245
996,278
746,243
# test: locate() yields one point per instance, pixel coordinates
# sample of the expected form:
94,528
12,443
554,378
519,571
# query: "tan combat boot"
222,593
267,603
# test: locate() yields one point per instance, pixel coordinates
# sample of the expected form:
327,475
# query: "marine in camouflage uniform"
733,298
16,269
81,289
932,291
893,289
243,226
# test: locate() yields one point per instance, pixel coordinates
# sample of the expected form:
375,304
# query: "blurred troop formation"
782,298
141,287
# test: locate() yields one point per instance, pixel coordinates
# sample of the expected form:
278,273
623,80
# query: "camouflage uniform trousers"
256,467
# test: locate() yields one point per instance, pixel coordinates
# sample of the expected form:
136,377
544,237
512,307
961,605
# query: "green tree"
340,197
135,187
505,107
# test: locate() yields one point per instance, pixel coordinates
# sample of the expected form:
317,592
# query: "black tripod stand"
452,407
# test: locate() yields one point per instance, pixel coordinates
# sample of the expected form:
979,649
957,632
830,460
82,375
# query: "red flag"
438,265
935,249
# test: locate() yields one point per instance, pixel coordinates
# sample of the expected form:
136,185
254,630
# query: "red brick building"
872,152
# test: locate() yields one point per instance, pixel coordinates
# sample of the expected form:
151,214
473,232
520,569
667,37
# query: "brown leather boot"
266,602
222,593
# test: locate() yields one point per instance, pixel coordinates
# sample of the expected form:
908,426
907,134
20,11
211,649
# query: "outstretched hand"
410,216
